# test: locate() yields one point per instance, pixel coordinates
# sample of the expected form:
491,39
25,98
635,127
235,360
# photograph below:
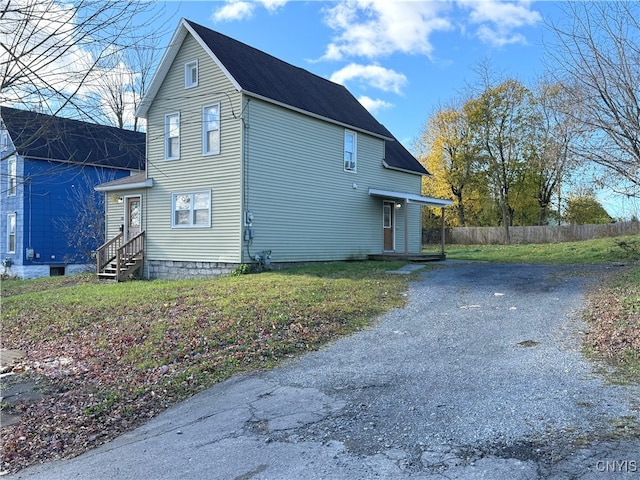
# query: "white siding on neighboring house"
306,206
194,171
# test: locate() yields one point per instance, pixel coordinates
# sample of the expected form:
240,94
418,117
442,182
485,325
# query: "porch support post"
442,232
406,226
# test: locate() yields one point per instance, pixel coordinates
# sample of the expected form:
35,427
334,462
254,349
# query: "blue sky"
401,59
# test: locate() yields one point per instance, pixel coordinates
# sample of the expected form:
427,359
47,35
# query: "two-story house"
51,219
252,159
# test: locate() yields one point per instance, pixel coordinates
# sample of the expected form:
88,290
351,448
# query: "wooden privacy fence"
525,235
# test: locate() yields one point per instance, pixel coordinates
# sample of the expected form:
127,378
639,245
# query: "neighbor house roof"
45,137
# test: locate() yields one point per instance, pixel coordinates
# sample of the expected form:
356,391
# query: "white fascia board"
386,165
216,60
163,68
148,183
410,198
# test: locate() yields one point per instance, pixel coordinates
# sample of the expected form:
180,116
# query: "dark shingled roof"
40,136
262,74
399,157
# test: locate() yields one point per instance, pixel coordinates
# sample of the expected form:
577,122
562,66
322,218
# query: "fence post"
442,229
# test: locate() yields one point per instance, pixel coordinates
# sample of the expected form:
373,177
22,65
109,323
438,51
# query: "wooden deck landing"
410,257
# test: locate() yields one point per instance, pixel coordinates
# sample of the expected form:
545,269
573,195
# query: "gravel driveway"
480,376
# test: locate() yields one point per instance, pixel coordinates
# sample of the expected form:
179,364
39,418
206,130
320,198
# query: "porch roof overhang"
410,198
126,183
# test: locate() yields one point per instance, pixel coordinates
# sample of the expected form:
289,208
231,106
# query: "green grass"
137,347
604,250
132,349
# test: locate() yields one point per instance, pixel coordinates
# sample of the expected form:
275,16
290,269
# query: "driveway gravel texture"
480,376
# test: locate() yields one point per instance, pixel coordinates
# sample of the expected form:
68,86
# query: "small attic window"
191,74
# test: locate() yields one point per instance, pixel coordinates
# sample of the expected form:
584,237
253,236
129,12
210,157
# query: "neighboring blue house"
51,219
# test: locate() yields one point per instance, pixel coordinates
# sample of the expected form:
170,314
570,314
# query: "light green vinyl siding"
193,171
306,207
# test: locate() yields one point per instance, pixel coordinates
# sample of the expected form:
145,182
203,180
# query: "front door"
133,217
388,226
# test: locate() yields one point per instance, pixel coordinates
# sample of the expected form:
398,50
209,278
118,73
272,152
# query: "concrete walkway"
480,376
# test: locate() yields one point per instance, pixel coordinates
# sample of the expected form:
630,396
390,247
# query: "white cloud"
233,10
374,105
497,20
373,28
375,75
239,10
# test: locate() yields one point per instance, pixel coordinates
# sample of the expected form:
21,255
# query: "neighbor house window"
12,176
191,209
211,129
191,74
350,159
172,136
11,233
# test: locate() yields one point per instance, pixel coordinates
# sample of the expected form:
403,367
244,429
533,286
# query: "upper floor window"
350,151
192,209
191,74
11,233
211,129
172,136
12,176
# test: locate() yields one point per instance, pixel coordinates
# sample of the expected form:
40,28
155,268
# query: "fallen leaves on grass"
613,314
105,370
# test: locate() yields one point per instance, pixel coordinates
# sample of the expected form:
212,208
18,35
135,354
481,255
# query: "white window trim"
188,68
15,232
205,131
191,225
12,177
166,135
355,152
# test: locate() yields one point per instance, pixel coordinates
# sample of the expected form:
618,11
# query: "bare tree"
53,53
549,158
596,52
123,87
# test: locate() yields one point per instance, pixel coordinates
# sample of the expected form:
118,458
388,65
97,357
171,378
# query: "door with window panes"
133,220
388,226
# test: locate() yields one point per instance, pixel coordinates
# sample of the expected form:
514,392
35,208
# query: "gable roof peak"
261,75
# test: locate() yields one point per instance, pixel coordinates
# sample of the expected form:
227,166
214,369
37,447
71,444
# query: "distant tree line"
511,154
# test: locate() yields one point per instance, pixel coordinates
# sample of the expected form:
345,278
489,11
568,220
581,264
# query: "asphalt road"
480,376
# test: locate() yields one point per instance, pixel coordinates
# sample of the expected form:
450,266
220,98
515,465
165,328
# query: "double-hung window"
191,209
211,129
350,151
11,233
191,74
12,176
172,136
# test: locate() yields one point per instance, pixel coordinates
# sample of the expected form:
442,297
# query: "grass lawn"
107,357
602,250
